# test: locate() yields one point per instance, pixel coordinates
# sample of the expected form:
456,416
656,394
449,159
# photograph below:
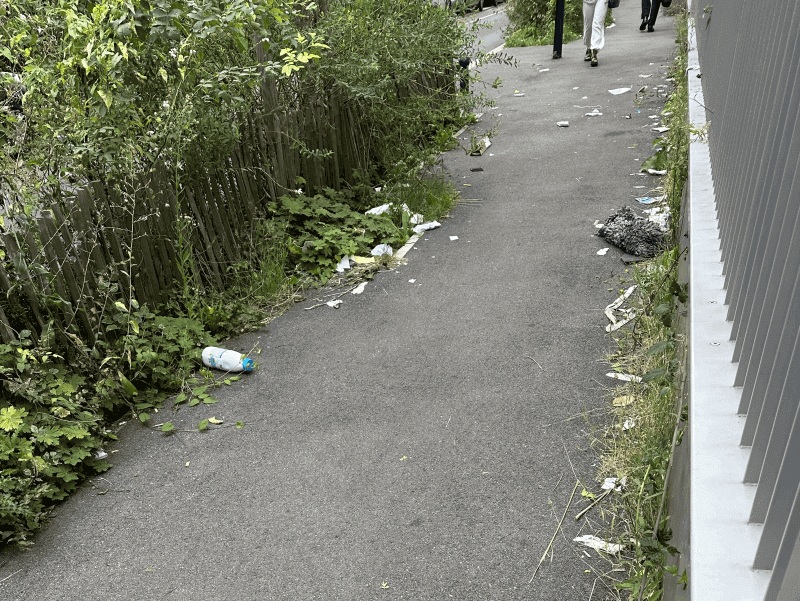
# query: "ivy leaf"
143,417
210,400
194,401
11,418
202,425
658,347
180,398
167,427
654,374
134,326
121,307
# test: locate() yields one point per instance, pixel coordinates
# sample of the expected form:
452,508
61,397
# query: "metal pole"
559,30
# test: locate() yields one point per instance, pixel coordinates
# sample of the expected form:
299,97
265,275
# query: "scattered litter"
359,289
610,26
628,314
639,187
617,91
226,360
661,129
611,484
575,88
363,260
334,303
343,264
623,401
477,169
467,185
381,249
518,94
602,251
646,200
385,208
657,171
543,70
629,423
598,544
628,117
418,229
598,224
633,234
101,454
623,377
594,113
379,210
562,123
453,238
646,76
485,143
660,216
412,281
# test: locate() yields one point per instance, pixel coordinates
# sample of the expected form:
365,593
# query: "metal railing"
743,208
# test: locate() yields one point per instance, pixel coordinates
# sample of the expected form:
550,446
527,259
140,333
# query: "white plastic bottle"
226,360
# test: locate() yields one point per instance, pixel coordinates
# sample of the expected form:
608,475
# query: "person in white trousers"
594,19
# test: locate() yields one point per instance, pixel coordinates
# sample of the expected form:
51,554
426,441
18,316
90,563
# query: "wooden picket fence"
61,261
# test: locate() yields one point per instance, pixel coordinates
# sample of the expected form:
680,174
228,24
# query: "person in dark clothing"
650,10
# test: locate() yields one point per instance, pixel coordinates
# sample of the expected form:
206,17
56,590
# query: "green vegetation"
113,90
648,417
533,22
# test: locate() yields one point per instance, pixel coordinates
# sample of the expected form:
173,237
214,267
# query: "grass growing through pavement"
646,424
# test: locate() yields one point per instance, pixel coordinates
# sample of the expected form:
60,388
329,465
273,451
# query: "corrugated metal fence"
749,70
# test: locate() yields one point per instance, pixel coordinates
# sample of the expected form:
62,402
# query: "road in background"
490,37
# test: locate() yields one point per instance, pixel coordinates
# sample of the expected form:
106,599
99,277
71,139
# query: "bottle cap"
247,364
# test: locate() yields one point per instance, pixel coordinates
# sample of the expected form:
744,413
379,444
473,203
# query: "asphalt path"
422,441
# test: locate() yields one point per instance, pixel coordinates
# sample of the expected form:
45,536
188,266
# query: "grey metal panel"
782,505
751,141
776,297
785,584
766,173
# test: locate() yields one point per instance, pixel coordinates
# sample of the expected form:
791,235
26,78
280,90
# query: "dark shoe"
650,29
594,58
643,25
588,56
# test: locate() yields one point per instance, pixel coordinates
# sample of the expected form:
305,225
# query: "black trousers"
650,11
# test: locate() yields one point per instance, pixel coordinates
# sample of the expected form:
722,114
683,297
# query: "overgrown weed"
647,417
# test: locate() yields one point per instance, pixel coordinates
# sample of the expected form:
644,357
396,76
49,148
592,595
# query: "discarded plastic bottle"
226,360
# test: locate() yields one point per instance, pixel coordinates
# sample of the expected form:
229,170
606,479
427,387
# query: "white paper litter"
598,544
623,377
543,70
359,289
598,224
661,129
629,423
411,281
594,113
343,264
646,200
101,454
657,171
603,251
518,94
610,483
628,315
616,91
381,249
334,303
453,238
379,210
562,123
426,226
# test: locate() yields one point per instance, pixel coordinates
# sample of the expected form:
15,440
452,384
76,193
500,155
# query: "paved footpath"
409,444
